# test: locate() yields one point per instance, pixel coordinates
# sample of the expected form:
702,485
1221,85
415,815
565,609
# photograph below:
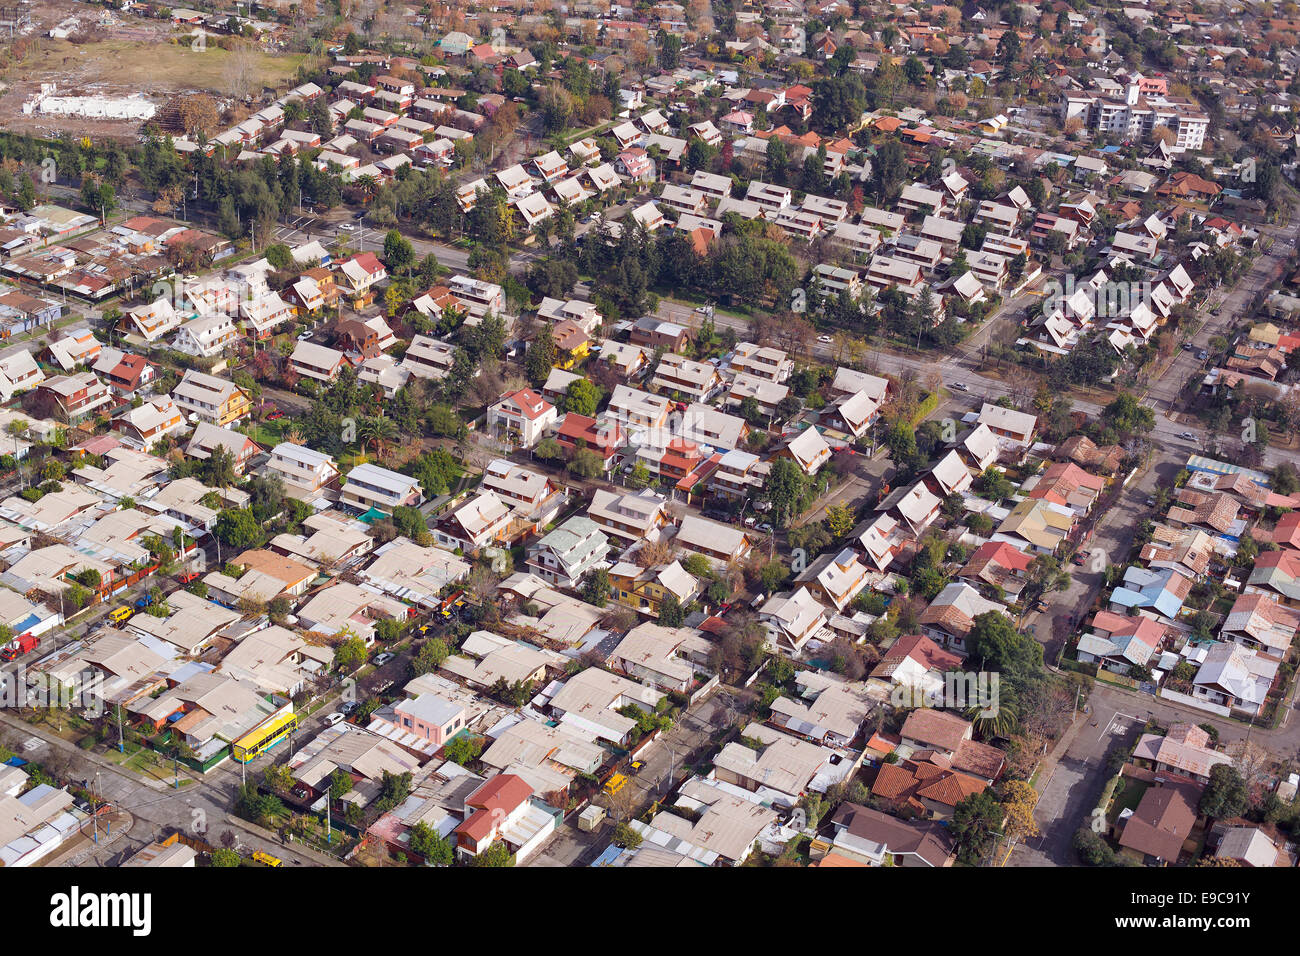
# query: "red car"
274,415
187,577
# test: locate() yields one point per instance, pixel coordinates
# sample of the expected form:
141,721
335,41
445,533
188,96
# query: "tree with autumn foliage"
1019,800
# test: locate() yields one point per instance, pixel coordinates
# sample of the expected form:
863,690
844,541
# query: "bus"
263,738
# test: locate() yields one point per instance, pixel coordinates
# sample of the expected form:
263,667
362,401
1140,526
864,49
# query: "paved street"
200,808
1074,786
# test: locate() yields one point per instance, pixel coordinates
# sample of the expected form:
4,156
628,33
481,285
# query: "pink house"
430,717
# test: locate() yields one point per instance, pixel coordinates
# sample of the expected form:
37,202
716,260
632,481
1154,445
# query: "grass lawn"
148,764
1127,796
269,433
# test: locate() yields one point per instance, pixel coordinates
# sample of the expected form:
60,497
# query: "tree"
1019,800
410,522
540,358
889,168
498,854
219,468
586,463
549,449
237,527
463,749
839,520
1008,50
340,784
994,484
785,489
772,575
278,255
430,656
974,826
596,587
226,858
1128,416
349,654
1225,796
670,611
399,254
581,397
999,646
426,842
198,114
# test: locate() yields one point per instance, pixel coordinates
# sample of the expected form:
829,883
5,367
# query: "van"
118,615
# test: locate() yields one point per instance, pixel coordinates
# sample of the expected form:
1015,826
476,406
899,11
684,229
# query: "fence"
1196,702
1117,679
699,693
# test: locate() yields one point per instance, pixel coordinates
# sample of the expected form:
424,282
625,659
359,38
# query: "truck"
18,647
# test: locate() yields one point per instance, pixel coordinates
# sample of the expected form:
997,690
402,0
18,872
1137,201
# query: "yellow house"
644,589
211,399
571,344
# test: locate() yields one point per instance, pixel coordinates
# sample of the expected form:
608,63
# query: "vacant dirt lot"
120,66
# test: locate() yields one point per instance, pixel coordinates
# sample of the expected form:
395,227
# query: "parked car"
332,719
347,227
960,386
1187,436
118,615
186,577
824,339
765,528
277,414
383,659
143,601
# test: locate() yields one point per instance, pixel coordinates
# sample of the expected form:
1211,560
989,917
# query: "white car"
383,659
1187,436
959,386
332,719
824,339
347,227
